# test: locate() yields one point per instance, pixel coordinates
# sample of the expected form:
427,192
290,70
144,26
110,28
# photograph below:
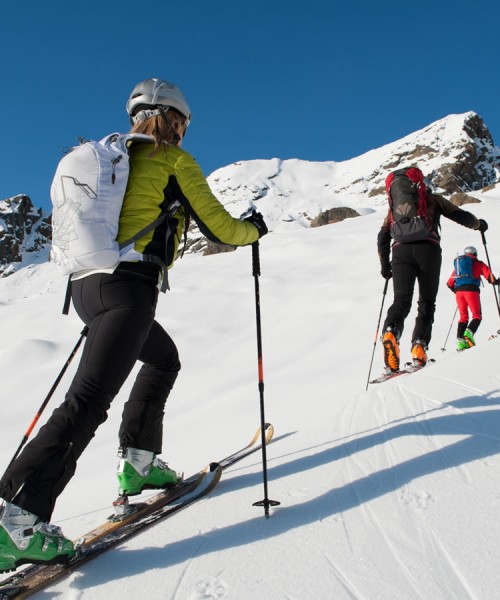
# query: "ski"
387,376
142,516
408,369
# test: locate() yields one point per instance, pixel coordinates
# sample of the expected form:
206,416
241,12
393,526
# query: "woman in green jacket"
118,306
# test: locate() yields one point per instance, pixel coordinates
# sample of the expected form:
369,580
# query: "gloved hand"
483,226
386,270
452,288
496,281
257,220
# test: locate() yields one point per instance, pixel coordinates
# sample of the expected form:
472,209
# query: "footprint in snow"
418,499
210,588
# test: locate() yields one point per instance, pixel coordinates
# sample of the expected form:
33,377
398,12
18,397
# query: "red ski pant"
466,301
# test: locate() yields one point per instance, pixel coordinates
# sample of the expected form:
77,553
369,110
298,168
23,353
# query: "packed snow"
390,493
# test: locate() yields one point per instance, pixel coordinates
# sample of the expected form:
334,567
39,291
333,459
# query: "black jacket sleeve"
456,214
384,242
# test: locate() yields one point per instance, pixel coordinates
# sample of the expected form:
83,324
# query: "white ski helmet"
151,93
470,250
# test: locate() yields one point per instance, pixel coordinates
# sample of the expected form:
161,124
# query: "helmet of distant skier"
152,93
470,250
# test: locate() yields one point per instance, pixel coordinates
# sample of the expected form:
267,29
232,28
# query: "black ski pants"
119,310
420,261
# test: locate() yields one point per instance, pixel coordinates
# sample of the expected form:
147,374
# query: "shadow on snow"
483,440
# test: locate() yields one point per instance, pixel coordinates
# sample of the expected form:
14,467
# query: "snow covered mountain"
456,153
391,493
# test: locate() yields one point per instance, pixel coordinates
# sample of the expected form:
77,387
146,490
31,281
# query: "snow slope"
393,493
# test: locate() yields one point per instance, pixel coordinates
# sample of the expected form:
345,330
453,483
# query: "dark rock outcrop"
334,215
23,228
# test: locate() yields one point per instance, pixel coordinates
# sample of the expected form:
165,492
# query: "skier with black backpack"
464,282
412,224
117,302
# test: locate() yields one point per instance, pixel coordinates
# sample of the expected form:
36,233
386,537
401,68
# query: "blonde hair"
161,130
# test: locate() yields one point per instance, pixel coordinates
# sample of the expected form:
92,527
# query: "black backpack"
408,203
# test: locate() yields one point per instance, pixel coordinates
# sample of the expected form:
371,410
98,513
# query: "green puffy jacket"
158,178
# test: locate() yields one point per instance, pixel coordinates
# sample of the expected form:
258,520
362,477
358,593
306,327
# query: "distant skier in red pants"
464,282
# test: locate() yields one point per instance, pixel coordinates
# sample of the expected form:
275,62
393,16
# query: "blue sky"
317,80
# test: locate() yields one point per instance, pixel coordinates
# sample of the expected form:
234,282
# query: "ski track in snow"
429,435
449,572
419,501
473,417
350,588
371,521
416,499
346,423
446,569
185,570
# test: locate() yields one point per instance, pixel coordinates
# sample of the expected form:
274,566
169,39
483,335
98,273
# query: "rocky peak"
456,153
24,230
476,166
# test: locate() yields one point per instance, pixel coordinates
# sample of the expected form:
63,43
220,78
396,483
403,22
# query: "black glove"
257,220
452,288
496,281
483,226
386,270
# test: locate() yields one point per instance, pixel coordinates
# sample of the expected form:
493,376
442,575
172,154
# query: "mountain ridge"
457,154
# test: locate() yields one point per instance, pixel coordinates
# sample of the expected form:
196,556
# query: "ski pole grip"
255,259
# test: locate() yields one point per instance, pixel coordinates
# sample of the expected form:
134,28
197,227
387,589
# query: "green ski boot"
140,470
24,538
469,338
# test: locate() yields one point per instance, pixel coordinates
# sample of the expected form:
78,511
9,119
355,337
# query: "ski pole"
48,397
451,325
376,332
266,503
489,265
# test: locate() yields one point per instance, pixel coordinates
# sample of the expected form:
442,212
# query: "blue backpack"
464,271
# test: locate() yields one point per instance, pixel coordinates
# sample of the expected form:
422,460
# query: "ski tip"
269,431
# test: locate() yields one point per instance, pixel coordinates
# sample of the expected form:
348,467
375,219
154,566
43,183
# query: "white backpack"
87,195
